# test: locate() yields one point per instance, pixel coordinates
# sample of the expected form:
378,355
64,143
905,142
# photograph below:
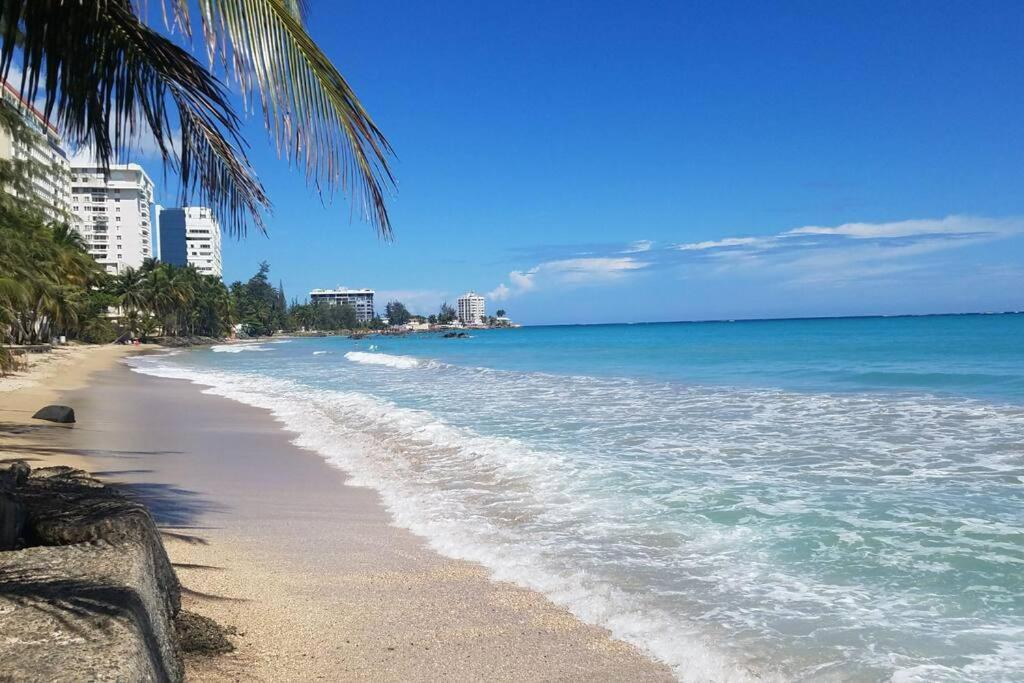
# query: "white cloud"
590,269
499,293
718,244
522,281
853,251
574,271
917,228
822,255
639,247
913,228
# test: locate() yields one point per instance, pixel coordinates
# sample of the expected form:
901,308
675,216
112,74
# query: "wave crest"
237,348
399,362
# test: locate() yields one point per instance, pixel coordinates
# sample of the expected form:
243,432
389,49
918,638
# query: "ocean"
826,500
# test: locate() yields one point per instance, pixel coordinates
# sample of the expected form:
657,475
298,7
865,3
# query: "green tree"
396,313
131,289
257,303
45,280
446,315
344,318
500,313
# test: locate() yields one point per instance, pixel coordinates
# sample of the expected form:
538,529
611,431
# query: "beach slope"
269,540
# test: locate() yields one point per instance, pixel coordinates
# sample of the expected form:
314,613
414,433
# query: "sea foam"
322,421
735,534
237,348
399,362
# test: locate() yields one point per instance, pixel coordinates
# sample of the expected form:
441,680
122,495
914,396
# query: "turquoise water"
774,500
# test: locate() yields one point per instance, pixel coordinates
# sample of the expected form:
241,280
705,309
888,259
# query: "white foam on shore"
399,362
385,447
707,526
237,348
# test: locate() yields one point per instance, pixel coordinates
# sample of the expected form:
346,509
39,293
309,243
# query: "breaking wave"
238,348
399,362
736,534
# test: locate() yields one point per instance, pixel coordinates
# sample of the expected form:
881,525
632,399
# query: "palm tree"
109,77
130,289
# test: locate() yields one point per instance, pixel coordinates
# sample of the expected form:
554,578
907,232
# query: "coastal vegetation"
47,280
161,298
397,313
260,307
446,315
49,285
323,317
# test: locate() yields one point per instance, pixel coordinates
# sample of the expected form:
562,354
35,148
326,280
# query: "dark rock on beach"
62,414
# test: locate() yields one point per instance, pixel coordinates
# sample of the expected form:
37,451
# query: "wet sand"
268,538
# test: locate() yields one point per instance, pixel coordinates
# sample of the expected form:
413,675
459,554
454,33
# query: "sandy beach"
268,539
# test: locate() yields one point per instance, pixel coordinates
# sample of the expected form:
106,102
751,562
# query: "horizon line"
783,319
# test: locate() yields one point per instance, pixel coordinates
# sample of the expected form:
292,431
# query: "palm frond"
310,110
107,77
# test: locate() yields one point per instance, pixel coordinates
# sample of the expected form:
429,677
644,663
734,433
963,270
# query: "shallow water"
779,500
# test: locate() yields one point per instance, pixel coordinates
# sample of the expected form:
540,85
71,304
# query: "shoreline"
269,539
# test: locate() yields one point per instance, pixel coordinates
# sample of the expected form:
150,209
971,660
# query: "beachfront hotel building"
471,308
359,299
190,236
110,208
45,148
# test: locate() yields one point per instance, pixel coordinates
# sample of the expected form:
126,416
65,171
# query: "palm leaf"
309,108
107,77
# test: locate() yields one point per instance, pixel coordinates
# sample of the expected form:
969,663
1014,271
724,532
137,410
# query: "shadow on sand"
170,506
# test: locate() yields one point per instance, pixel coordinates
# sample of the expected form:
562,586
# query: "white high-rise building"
190,235
471,308
46,148
111,209
359,299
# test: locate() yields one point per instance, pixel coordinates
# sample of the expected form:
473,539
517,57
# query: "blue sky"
626,161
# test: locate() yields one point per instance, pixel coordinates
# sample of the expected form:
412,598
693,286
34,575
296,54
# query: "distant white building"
111,210
190,235
359,299
471,308
51,188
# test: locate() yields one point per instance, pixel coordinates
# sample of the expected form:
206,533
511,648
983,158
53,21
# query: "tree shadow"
210,596
184,538
35,449
169,505
192,565
118,473
75,604
20,428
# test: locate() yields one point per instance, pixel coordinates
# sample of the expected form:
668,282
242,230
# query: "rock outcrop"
61,414
92,594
